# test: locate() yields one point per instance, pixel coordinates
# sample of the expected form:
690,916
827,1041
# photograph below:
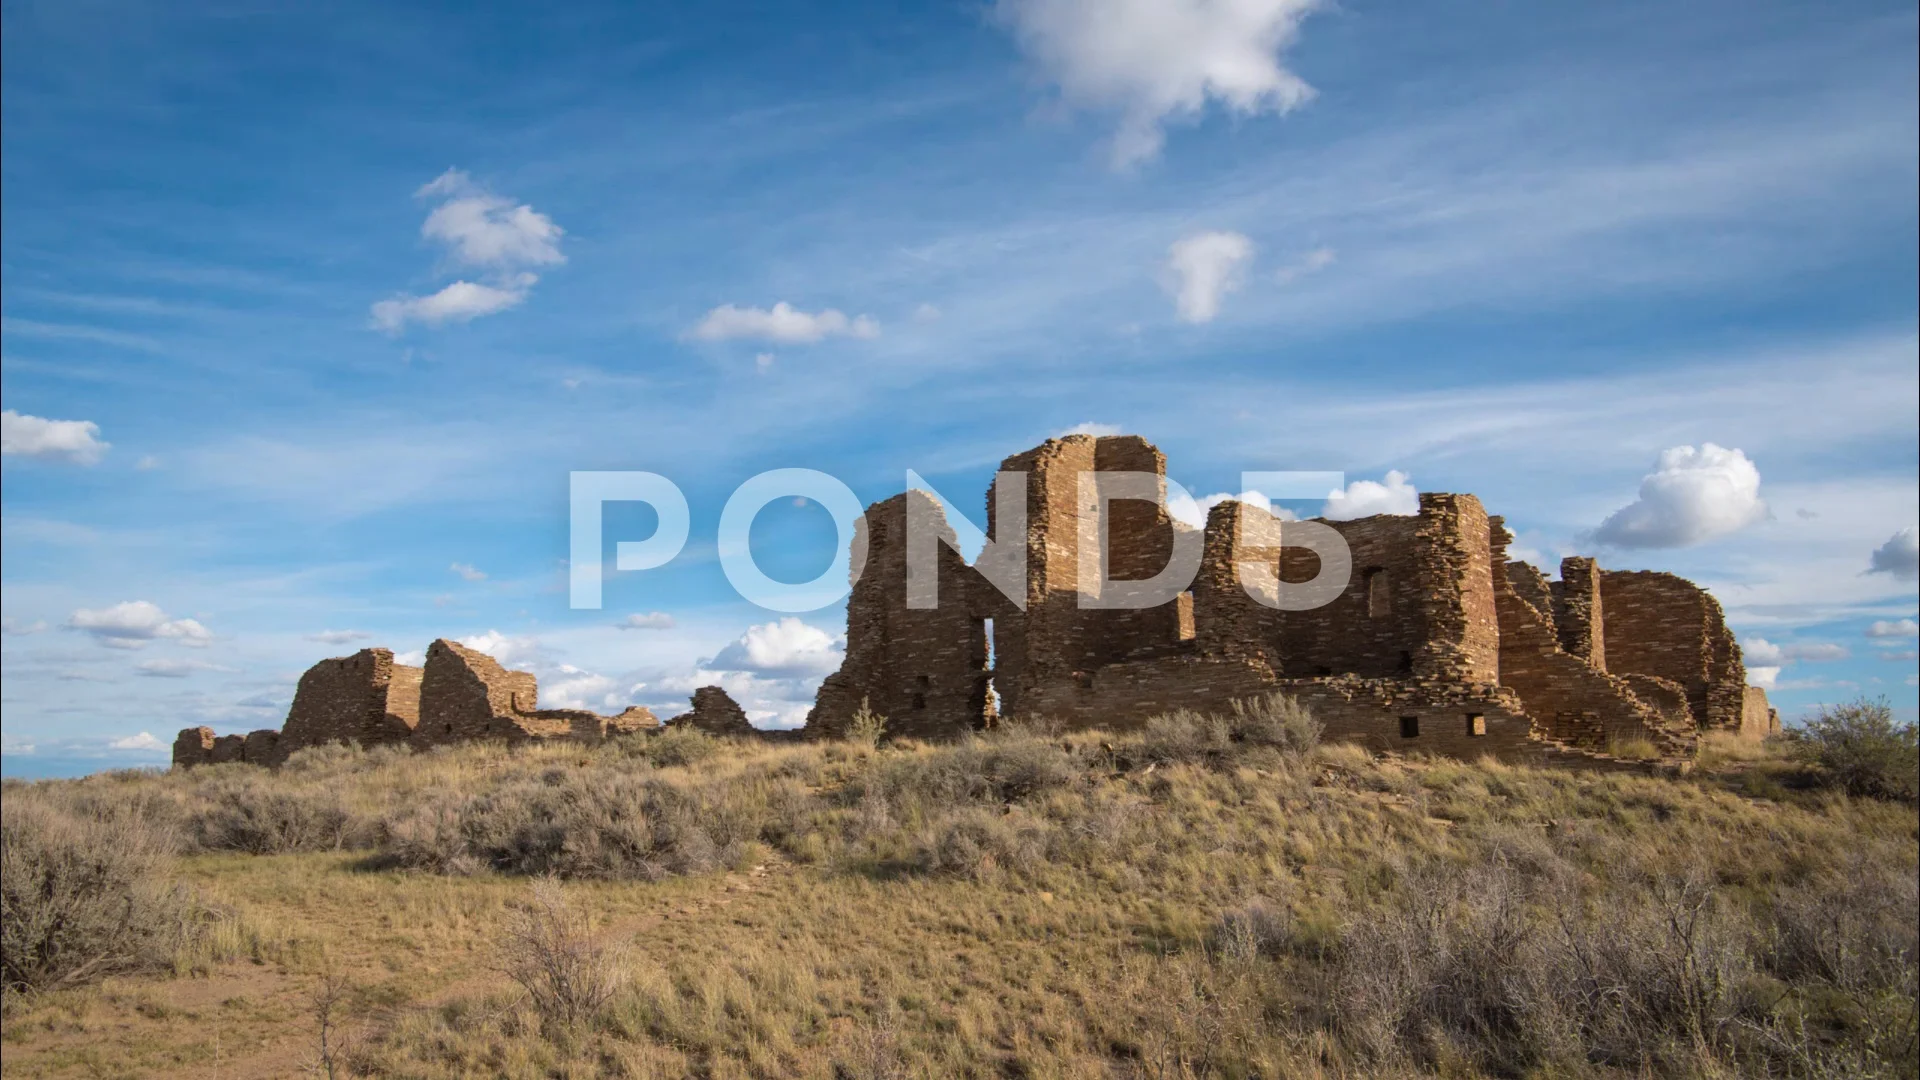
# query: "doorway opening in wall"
986,699
1409,727
1476,724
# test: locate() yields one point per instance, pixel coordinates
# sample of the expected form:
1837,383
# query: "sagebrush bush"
604,822
1275,721
263,813
1859,748
83,897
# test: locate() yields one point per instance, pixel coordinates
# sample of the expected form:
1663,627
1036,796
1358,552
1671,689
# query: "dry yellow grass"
1024,906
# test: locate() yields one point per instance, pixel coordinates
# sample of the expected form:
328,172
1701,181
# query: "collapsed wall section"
1566,697
715,713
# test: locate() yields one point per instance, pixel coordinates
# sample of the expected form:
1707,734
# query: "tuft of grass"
867,727
1634,749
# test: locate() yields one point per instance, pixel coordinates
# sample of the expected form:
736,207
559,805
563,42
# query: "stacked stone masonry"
460,694
1436,642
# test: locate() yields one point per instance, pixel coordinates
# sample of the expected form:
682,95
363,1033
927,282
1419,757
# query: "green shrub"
83,897
1858,748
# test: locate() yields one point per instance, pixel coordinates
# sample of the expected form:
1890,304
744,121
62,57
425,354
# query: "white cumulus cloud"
481,231
574,688
133,623
142,741
783,323
487,230
1364,498
1202,269
510,651
75,441
1899,556
1691,496
785,649
468,572
1154,60
1188,510
1767,654
1897,628
461,301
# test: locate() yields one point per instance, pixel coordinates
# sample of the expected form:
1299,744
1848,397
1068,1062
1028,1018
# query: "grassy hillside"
1211,897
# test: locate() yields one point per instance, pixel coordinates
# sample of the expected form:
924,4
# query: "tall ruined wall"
1577,614
1758,717
1057,639
925,670
1660,624
364,698
1527,581
466,694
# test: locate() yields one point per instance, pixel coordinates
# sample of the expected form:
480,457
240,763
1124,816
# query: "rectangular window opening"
1476,724
1379,603
1409,727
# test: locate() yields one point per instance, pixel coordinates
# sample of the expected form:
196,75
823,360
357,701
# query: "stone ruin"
460,694
1436,643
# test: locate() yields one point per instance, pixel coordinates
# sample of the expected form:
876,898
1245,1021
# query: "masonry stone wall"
715,713
1660,624
193,746
365,698
1577,614
926,671
1758,718
1435,642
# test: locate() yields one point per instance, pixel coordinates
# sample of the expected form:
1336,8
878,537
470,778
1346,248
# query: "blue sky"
1525,251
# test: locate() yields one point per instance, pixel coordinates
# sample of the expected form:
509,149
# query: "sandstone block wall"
466,694
367,698
1435,640
1577,614
364,698
1660,624
715,713
926,671
193,746
1758,718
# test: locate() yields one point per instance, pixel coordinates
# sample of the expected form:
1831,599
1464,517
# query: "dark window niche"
1409,727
